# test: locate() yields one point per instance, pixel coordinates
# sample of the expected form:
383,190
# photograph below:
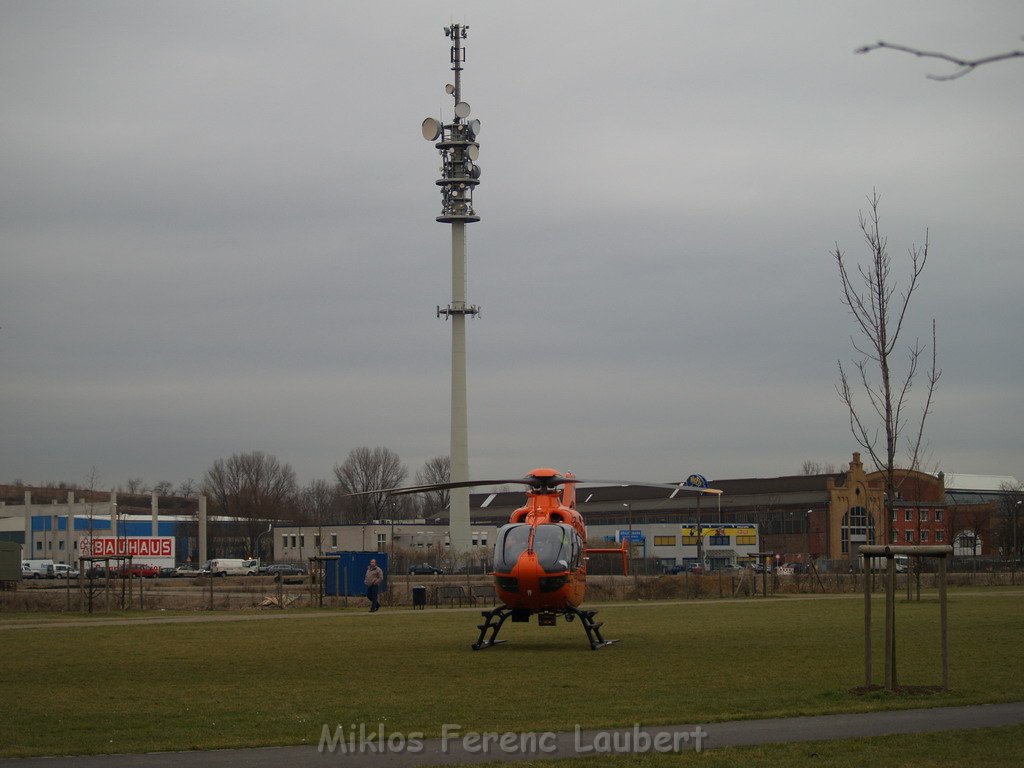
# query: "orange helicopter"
540,555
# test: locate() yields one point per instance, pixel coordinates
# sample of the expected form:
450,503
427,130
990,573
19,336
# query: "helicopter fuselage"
540,555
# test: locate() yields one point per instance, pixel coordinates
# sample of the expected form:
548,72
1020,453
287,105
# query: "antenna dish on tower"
449,89
462,109
474,126
431,129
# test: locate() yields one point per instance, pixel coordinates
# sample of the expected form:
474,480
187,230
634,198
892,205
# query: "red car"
139,571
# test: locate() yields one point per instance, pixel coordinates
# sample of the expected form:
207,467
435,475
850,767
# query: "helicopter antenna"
456,141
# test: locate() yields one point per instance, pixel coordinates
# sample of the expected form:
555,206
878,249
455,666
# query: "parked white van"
39,569
900,561
234,567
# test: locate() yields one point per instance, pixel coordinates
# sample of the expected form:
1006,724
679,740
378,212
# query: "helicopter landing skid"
496,617
592,627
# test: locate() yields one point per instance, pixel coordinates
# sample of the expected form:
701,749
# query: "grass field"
140,687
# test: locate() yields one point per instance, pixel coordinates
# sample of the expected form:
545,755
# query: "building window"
294,539
284,541
718,541
382,542
908,515
938,535
895,537
749,541
302,539
966,543
938,515
689,541
857,528
316,541
894,515
908,536
924,536
39,546
60,545
334,541
924,515
472,541
664,541
483,539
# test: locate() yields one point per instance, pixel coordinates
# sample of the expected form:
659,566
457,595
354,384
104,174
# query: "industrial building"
822,517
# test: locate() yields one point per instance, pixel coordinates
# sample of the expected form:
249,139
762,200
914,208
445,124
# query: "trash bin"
419,597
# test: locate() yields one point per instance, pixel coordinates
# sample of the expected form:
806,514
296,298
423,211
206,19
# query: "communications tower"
456,141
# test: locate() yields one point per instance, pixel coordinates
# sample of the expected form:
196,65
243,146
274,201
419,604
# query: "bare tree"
188,489
252,489
369,469
879,314
136,485
163,488
319,506
1009,531
966,65
812,467
435,470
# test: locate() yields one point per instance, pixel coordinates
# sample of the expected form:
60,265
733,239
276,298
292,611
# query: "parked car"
167,572
186,570
424,569
64,571
285,569
685,568
137,571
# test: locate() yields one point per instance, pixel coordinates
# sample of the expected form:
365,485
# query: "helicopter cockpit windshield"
557,546
513,539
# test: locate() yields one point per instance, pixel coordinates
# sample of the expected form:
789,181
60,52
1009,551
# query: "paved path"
466,748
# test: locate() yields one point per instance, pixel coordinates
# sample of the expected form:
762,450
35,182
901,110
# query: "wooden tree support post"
867,623
869,552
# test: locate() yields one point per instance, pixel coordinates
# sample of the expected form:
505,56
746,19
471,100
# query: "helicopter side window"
554,546
512,541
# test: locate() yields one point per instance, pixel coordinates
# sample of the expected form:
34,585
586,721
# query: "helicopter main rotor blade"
670,486
539,482
408,489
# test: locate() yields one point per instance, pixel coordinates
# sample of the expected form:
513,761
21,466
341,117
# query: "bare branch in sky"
966,65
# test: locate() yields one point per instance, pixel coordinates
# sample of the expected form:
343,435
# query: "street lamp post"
270,527
1013,572
629,543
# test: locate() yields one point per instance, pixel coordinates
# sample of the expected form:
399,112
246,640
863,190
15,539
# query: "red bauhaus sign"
136,546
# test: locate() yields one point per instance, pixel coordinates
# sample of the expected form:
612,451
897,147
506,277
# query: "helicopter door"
512,541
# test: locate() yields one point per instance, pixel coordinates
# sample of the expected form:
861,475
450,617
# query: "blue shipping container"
347,569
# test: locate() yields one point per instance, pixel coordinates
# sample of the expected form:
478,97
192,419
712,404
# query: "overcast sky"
217,232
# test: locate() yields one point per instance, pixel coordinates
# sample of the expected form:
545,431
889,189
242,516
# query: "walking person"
374,576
